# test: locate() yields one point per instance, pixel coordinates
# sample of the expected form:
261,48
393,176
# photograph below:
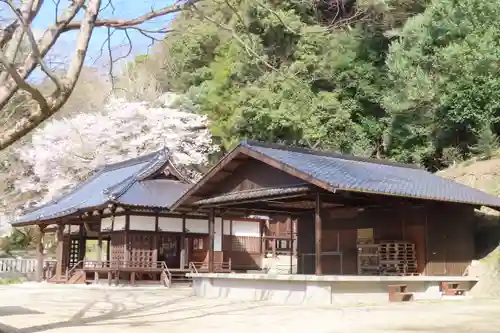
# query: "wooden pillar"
126,254
318,234
59,250
183,243
230,245
291,244
39,254
211,240
81,242
156,239
99,246
99,254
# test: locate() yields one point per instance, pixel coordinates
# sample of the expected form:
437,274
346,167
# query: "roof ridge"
117,190
347,157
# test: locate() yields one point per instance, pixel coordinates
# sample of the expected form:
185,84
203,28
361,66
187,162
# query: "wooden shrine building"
117,224
354,216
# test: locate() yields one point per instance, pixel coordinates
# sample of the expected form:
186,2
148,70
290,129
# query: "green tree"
444,80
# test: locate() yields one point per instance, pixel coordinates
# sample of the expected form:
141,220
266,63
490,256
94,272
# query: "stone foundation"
318,290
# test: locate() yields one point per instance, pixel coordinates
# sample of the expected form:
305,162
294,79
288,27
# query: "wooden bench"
399,293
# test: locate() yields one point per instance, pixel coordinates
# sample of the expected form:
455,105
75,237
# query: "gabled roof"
127,183
333,172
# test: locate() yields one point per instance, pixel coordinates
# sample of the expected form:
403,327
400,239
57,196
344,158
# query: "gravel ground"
31,308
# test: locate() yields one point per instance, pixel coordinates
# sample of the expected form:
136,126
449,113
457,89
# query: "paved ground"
48,308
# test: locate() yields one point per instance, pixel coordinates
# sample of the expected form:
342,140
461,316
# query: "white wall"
218,234
144,223
246,228
119,223
106,224
173,224
197,226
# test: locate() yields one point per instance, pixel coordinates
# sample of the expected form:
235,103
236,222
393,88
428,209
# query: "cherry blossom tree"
66,150
80,17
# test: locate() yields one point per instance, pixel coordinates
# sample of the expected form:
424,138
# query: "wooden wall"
443,234
254,174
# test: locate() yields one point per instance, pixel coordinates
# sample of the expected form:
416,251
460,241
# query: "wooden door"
169,250
436,249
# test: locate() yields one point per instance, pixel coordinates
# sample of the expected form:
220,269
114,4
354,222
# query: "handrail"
68,276
166,271
192,268
202,266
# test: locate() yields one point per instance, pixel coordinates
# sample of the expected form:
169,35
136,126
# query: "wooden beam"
211,240
247,208
318,234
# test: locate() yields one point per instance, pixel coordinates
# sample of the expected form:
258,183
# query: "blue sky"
123,9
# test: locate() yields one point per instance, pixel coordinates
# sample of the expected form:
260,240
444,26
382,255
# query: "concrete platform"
319,290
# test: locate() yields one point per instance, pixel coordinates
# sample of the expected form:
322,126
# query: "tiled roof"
153,193
372,176
122,183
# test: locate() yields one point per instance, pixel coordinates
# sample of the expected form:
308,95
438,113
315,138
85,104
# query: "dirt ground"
34,308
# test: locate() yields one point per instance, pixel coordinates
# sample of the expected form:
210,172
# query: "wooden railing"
202,267
71,271
117,266
272,245
122,264
166,275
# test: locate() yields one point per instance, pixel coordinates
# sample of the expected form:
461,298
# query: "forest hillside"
415,81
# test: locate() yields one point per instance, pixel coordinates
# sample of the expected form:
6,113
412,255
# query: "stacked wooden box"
397,258
368,259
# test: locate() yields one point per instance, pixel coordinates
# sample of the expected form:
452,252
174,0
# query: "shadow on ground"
123,315
16,310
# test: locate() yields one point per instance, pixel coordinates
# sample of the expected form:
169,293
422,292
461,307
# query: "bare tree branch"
11,70
22,52
49,106
34,47
115,23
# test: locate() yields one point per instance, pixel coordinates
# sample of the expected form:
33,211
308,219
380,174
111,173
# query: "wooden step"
79,277
399,293
451,289
454,292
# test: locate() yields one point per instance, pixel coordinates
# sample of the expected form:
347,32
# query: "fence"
25,266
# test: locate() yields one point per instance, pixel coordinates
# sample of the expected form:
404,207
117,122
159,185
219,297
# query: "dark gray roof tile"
373,176
122,182
153,193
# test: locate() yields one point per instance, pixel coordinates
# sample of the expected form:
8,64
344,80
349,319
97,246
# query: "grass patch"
10,281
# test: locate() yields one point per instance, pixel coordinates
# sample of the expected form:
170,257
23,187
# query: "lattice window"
142,249
74,252
245,244
199,243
